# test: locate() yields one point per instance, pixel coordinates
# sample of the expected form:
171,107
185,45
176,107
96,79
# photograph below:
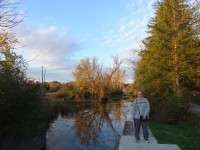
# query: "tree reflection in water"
89,123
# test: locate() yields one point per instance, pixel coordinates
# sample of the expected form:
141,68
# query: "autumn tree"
54,86
115,78
89,76
119,75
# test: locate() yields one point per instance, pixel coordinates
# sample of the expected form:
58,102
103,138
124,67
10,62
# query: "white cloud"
51,75
52,49
126,39
134,5
131,29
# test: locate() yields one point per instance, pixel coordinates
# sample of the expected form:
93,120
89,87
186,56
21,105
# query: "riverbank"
30,131
185,135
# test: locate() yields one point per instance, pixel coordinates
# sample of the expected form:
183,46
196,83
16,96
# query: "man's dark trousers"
138,123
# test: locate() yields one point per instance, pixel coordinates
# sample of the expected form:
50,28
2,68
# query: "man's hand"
145,117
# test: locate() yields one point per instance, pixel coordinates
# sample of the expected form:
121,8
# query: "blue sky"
57,34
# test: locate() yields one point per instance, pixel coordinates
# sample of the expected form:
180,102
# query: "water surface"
92,128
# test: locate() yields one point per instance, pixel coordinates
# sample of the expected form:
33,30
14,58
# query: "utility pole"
43,78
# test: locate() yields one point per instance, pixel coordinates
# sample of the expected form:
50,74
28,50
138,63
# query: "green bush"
20,107
68,95
170,109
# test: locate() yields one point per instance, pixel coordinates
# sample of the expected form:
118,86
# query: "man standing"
141,111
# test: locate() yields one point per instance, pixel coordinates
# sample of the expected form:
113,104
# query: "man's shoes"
137,140
147,141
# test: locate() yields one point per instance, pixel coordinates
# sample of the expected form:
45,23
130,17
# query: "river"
91,128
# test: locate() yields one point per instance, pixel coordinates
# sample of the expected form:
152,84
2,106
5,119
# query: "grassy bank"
185,135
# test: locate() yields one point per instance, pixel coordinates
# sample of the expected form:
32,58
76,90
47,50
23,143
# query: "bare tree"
108,77
89,76
9,17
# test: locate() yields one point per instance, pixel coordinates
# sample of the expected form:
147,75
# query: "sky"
58,34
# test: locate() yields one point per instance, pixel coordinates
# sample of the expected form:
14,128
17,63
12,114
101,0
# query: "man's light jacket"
140,107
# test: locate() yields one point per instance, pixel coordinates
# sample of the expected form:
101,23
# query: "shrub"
170,109
68,95
20,107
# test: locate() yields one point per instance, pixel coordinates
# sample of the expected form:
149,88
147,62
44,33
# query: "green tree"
21,107
19,96
170,61
171,58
